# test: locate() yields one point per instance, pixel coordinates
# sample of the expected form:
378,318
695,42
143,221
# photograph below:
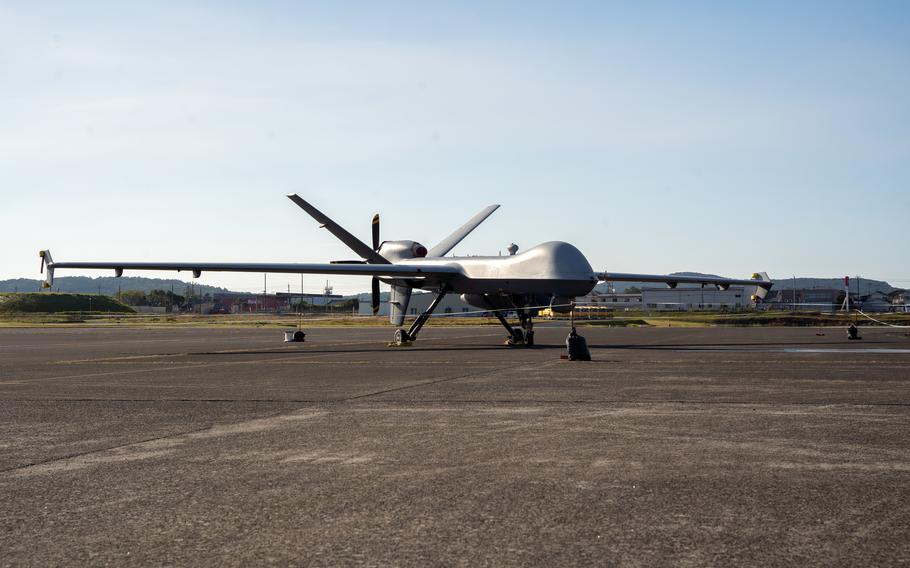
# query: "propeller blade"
375,296
347,238
376,232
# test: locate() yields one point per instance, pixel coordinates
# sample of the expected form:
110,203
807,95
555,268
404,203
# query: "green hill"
107,285
47,302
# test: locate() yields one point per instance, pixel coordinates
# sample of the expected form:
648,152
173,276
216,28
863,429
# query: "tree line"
157,298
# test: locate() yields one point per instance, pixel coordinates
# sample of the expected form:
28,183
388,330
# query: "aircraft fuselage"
552,268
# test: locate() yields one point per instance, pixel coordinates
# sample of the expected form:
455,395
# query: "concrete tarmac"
676,447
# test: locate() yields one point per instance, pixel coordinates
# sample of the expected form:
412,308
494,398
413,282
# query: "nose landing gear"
517,337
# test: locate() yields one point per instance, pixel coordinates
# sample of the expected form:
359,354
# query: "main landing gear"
523,336
402,337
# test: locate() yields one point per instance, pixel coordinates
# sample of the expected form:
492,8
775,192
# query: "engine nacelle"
400,250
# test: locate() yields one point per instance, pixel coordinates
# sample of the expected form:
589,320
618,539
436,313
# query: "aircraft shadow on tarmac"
378,348
733,347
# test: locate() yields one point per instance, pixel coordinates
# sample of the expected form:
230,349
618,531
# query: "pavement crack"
210,430
536,365
76,455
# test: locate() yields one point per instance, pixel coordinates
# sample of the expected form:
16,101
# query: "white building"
900,301
420,301
707,298
614,301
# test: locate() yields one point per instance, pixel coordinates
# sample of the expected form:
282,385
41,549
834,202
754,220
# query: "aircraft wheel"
517,338
529,339
401,337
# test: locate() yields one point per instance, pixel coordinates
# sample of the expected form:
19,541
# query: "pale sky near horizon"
656,136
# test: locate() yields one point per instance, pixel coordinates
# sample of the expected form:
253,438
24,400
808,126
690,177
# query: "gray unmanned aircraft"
551,274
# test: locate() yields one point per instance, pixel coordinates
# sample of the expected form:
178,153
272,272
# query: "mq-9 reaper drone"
551,274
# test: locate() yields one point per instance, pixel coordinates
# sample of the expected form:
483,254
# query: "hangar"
707,298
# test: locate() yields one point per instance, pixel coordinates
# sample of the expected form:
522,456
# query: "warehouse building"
611,300
707,298
420,301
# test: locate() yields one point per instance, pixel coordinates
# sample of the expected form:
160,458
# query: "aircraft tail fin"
398,304
448,243
761,291
355,244
46,260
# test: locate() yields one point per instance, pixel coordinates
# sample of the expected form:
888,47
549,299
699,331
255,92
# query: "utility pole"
793,305
846,304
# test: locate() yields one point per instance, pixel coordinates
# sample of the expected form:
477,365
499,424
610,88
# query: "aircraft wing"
759,279
460,233
388,270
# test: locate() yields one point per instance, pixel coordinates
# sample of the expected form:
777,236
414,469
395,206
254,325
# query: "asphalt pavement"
676,447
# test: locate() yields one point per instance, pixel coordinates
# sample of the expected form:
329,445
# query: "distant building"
900,301
611,300
293,298
808,299
282,302
876,302
420,301
684,299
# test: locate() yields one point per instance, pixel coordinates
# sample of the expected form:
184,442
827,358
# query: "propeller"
375,249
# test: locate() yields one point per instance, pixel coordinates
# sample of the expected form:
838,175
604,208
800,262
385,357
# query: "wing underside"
197,268
759,279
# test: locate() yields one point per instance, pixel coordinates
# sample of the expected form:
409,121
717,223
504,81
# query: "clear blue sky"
722,137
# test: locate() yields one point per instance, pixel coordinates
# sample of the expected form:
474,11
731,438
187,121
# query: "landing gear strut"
523,336
403,337
527,324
